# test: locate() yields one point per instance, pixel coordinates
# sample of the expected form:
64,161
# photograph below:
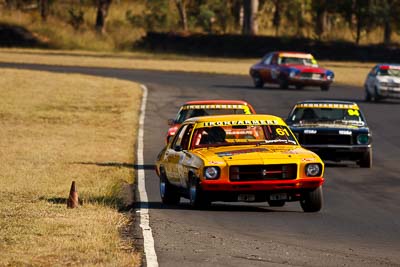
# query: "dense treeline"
352,20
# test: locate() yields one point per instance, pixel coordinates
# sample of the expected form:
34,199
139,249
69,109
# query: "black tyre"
366,160
377,98
325,87
276,203
312,201
283,82
257,80
367,95
197,198
168,193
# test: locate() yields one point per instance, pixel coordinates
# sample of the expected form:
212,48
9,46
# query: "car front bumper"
339,152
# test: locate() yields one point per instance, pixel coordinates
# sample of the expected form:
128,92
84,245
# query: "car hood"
326,126
255,155
388,79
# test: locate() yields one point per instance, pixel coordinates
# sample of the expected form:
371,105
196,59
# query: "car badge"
264,172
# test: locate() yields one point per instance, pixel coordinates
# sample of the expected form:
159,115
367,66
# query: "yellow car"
248,158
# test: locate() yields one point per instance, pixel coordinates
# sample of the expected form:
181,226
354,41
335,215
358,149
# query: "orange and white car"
200,108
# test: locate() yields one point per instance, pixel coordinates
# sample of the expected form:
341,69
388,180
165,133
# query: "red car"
205,108
290,68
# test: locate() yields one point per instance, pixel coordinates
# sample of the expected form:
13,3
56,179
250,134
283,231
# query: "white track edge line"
148,240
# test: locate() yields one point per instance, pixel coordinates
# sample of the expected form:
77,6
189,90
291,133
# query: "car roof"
388,65
216,101
236,117
327,104
294,54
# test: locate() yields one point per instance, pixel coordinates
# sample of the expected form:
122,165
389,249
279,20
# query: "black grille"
325,139
263,172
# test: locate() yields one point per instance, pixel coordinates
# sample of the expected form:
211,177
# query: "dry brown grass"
350,73
56,128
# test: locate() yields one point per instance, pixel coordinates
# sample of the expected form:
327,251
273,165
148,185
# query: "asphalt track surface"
359,224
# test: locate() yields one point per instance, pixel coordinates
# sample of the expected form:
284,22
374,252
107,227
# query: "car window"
239,135
267,60
326,115
185,114
178,137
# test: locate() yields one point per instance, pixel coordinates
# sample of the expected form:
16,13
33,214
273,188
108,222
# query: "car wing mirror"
171,122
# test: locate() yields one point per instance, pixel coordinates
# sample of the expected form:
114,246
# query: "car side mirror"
178,148
171,122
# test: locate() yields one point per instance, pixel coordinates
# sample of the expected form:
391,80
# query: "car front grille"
262,172
325,139
310,75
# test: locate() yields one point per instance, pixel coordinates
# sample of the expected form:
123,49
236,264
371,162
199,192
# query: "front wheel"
366,160
257,80
367,95
168,193
197,198
312,201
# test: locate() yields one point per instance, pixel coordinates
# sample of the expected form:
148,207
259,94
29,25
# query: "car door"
177,154
265,70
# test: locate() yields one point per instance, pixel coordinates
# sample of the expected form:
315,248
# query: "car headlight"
362,139
293,73
211,173
313,169
330,75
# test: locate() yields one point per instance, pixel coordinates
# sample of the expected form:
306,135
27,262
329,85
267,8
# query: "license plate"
278,196
316,76
246,197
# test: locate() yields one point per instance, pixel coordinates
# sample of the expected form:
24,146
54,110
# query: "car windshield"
185,114
297,61
327,115
242,135
389,72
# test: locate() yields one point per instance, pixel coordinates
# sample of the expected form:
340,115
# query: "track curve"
358,226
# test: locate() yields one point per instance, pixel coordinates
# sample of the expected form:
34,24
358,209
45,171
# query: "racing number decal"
281,131
246,110
353,112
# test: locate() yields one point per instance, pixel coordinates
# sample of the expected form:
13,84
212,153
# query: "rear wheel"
168,193
366,160
325,87
197,198
257,80
312,201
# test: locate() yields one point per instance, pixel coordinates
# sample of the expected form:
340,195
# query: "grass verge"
349,73
56,128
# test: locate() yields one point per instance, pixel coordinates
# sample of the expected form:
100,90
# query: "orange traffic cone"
72,201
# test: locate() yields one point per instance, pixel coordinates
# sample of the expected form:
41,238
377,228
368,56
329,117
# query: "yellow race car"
248,158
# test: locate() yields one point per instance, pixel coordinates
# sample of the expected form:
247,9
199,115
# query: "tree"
181,5
44,9
250,9
276,20
102,12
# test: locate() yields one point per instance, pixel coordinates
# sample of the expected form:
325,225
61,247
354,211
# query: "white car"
383,81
